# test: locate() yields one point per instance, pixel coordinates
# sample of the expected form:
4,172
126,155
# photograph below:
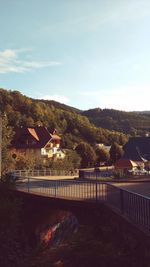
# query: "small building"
124,166
137,149
103,146
36,141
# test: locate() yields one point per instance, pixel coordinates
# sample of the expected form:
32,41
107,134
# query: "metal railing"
93,174
44,172
68,189
131,205
49,172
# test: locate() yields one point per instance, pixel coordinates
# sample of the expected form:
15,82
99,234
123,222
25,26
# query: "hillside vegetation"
70,124
134,123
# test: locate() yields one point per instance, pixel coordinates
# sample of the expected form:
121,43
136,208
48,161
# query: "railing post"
55,188
148,216
96,176
121,202
96,187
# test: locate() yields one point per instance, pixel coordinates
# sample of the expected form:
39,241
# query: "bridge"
132,206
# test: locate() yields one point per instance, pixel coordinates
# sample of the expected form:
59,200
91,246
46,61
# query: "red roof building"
124,165
37,140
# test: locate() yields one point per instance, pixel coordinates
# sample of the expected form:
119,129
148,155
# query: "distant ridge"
134,123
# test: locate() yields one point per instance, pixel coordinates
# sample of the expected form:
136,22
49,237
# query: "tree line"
76,131
73,127
82,156
133,123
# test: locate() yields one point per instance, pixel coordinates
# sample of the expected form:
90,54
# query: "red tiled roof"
36,137
33,133
137,149
125,163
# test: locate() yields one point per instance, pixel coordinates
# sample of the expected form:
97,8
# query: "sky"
84,53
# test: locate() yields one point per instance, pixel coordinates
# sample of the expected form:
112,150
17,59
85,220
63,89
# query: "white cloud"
58,98
8,54
10,61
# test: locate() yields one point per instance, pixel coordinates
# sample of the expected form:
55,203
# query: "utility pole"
0,147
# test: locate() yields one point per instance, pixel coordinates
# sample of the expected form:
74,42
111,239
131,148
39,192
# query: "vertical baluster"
144,214
137,210
138,204
131,206
102,192
79,189
128,204
121,201
90,195
62,189
75,194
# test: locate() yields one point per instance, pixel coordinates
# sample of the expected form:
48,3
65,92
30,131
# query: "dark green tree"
87,154
73,157
7,134
24,161
116,152
102,155
70,162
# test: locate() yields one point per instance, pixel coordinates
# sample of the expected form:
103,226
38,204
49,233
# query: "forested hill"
134,123
70,124
52,103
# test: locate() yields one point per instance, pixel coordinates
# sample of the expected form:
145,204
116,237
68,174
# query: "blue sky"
85,53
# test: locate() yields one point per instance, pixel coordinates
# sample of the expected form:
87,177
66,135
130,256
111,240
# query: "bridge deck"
142,188
131,205
68,189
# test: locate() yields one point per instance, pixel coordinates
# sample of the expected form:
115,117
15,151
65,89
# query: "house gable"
36,140
24,137
137,149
